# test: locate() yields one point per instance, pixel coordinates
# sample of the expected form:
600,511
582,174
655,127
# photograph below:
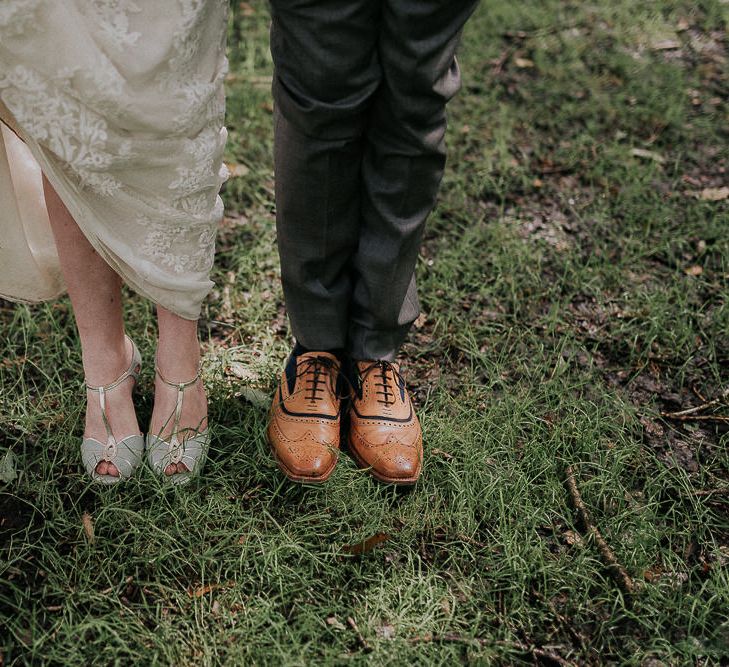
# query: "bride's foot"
101,370
179,387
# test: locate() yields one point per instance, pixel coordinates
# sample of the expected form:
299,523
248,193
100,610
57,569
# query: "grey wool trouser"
360,90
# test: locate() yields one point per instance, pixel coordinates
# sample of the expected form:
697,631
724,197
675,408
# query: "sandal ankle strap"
131,372
177,385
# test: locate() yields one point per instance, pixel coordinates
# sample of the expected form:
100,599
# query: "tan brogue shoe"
384,431
305,419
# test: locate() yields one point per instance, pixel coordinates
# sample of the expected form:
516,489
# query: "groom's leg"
401,172
326,72
402,166
327,69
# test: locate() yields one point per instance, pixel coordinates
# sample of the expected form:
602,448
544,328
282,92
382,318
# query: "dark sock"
300,349
350,373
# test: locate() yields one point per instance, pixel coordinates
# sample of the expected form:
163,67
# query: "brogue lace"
385,389
317,374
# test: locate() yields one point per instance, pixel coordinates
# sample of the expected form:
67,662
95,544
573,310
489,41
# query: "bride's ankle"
180,365
103,365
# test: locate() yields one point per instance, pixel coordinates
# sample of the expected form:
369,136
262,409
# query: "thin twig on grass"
498,64
700,396
470,540
699,418
544,653
709,492
619,573
360,638
698,408
452,637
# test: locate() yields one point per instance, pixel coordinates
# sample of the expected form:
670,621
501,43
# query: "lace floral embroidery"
112,16
17,16
74,133
160,245
200,173
132,111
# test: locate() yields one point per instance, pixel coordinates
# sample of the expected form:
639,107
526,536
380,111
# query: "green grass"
559,322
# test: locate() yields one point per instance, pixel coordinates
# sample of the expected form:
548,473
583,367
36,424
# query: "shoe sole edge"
397,481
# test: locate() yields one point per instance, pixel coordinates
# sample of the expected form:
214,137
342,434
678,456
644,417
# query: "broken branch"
619,573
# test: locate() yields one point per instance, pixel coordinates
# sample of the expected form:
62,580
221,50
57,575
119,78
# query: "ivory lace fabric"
120,104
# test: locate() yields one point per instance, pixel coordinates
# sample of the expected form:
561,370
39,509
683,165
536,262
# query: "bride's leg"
178,359
95,291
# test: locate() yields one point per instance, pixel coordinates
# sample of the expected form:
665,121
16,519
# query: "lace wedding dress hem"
120,105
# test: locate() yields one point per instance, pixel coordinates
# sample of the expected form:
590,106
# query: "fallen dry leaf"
16,361
666,45
571,537
649,155
236,170
335,623
88,526
714,194
241,371
202,590
523,63
254,396
8,467
367,545
386,631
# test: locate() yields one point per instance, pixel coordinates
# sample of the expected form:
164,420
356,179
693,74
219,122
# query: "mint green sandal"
191,451
126,454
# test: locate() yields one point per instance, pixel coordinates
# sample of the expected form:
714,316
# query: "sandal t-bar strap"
131,372
175,446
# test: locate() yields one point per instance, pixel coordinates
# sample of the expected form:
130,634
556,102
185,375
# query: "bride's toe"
107,468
